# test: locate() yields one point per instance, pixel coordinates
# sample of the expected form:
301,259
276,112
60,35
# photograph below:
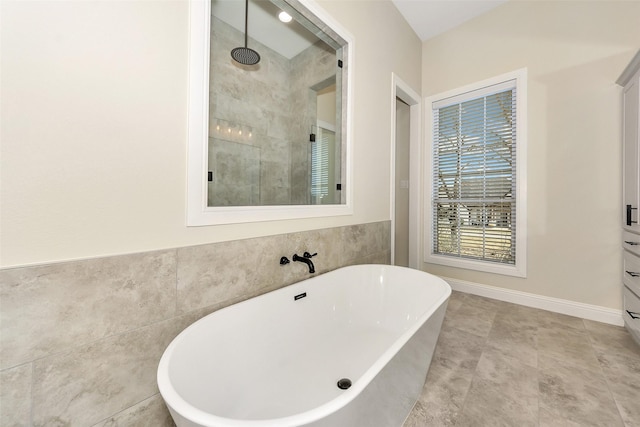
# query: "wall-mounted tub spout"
306,260
284,260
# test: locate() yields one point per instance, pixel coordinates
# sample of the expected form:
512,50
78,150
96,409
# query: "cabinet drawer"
631,273
631,242
631,311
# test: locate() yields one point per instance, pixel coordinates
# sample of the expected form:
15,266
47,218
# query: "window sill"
486,267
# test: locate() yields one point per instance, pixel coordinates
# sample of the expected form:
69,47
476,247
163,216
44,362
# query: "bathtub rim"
184,409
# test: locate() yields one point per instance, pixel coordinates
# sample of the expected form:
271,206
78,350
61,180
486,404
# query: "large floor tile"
149,412
443,395
489,405
450,375
567,344
455,302
610,339
519,366
577,393
520,344
458,350
623,377
15,395
472,316
504,391
552,419
417,417
550,319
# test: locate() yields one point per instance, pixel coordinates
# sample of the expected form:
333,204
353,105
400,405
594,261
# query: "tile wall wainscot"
80,341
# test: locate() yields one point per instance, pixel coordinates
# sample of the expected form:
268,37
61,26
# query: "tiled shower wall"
258,98
310,71
80,341
277,100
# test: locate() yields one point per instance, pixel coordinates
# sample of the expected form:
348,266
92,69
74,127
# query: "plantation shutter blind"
320,166
474,195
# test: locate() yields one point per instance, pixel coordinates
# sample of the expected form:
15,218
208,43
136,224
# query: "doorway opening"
406,175
401,183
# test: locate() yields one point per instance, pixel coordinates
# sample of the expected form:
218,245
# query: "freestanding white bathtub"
276,360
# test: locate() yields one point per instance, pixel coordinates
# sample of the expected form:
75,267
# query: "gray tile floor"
501,364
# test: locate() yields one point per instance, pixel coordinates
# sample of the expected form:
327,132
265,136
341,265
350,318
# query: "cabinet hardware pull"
631,243
633,315
632,273
629,209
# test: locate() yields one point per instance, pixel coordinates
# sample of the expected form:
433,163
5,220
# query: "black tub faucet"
306,258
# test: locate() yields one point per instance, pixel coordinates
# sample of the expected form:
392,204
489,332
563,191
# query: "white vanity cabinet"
630,81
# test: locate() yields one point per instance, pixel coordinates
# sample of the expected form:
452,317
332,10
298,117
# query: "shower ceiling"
287,39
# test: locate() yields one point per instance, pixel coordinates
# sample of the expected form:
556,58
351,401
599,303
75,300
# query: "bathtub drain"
344,383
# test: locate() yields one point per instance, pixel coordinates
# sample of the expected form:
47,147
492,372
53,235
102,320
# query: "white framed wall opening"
403,92
475,192
239,172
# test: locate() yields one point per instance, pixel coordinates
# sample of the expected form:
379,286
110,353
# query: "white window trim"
198,213
520,267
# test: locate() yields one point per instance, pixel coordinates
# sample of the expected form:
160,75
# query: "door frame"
401,90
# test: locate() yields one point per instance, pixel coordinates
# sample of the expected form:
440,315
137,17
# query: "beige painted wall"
93,126
574,51
326,105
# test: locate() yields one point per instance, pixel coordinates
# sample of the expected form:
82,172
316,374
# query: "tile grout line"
475,371
175,306
125,409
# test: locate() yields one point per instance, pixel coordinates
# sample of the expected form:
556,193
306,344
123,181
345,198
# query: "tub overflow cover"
344,383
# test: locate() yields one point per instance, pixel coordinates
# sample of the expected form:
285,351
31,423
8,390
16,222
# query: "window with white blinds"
320,165
474,186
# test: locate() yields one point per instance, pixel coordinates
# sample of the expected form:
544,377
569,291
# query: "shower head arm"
246,22
245,55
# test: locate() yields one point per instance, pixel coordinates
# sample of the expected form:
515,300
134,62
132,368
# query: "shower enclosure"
274,127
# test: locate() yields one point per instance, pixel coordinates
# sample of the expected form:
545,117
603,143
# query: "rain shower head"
244,55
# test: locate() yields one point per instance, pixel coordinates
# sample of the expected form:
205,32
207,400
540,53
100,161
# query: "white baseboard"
557,305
